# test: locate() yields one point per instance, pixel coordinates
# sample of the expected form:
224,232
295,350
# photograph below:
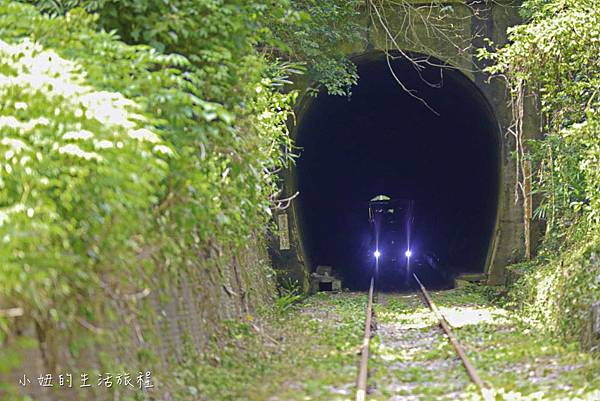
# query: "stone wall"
159,329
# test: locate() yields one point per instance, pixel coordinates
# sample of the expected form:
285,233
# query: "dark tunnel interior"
381,140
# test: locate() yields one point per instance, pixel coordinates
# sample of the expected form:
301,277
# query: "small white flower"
104,144
15,144
144,134
163,149
81,134
75,150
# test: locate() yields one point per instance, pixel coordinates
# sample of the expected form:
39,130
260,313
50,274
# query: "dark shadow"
383,141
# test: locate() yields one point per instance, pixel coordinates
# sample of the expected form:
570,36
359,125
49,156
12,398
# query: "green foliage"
517,360
284,303
555,56
307,31
563,35
556,293
141,138
81,172
298,355
318,38
569,178
215,35
290,293
117,172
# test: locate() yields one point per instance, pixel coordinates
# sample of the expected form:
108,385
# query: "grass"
516,359
310,352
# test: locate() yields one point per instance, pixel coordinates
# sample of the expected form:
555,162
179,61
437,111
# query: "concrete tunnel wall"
289,250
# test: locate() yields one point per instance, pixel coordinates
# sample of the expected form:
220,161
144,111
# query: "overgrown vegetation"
563,166
309,353
410,356
141,142
512,355
217,36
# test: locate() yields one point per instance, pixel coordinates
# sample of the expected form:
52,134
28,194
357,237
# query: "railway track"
361,388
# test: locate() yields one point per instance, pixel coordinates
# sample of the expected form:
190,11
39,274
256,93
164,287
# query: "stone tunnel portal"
442,151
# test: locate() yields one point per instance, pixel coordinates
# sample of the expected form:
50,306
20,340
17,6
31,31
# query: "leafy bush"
141,142
82,170
556,293
319,37
217,36
117,174
559,287
289,294
563,35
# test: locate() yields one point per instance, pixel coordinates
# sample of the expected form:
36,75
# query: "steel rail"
455,344
361,383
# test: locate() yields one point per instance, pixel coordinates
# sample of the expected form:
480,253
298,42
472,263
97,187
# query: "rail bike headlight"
408,253
377,254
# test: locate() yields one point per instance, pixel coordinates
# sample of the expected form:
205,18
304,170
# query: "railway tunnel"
438,146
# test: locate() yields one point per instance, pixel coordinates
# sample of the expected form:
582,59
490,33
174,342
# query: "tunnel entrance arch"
440,147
